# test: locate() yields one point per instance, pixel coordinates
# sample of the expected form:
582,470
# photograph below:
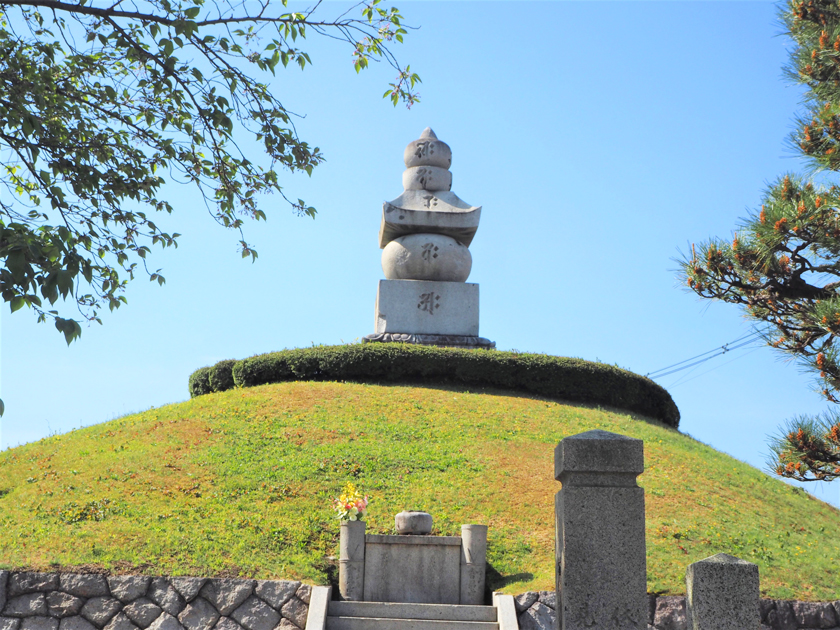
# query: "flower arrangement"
351,505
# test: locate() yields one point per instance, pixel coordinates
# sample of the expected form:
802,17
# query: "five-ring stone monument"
425,236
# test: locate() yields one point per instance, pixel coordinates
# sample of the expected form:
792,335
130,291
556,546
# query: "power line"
727,347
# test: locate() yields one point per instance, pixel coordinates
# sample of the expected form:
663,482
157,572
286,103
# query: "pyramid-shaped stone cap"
599,452
425,212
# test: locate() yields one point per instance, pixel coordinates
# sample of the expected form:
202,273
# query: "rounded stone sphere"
426,257
428,152
411,522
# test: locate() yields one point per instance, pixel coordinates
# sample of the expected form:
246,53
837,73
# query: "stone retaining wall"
537,611
69,601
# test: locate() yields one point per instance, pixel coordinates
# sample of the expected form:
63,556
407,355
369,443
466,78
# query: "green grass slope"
240,483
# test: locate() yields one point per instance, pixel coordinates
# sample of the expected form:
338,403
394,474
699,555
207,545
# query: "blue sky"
601,139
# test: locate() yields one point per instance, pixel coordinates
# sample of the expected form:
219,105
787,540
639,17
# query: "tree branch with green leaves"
102,104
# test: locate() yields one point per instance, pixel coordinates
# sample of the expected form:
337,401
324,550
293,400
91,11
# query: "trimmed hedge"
555,377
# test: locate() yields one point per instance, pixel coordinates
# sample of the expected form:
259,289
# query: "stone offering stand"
412,568
425,236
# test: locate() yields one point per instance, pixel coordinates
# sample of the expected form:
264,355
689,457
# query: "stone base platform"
447,341
426,307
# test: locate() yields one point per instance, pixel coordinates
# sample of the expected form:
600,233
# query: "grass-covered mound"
555,377
240,482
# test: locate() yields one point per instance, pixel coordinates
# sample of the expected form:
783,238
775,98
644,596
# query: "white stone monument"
425,235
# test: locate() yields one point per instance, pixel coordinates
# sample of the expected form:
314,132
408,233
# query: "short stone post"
722,594
473,563
600,518
351,561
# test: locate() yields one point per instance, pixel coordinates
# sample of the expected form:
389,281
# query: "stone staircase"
344,615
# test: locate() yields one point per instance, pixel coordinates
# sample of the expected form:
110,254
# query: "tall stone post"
473,563
722,594
600,518
351,561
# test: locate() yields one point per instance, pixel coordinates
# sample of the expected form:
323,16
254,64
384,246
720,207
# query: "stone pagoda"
425,237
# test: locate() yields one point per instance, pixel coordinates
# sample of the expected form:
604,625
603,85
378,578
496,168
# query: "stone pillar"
351,561
473,563
600,519
722,594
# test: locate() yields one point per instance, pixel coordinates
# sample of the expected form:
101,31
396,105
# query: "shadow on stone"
495,581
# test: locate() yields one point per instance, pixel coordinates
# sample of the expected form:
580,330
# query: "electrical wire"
727,347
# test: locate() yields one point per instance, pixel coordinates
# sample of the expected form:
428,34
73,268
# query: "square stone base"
423,307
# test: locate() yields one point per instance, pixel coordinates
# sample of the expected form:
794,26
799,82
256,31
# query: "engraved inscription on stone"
429,251
429,302
424,148
430,200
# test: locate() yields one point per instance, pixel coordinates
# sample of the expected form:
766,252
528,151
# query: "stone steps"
398,616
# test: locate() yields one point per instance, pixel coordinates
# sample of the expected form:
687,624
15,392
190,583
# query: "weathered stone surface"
814,614
164,595
188,587
412,569
427,151
295,611
26,605
836,606
226,623
4,579
166,622
600,517
142,612
255,614
426,307
351,560
537,617
549,598
722,594
227,594
651,608
304,593
431,178
275,593
121,622
63,604
765,606
39,623
100,610
426,257
782,617
127,588
670,613
523,602
198,615
9,623
284,624
75,623
84,585
25,582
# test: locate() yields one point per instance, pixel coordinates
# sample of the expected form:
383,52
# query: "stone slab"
412,572
423,307
100,610
319,601
396,610
39,623
198,615
275,593
385,539
722,593
63,604
506,611
127,588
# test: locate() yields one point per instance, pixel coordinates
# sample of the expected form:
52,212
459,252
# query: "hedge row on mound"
555,377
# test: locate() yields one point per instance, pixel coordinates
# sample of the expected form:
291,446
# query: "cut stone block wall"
69,601
537,611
